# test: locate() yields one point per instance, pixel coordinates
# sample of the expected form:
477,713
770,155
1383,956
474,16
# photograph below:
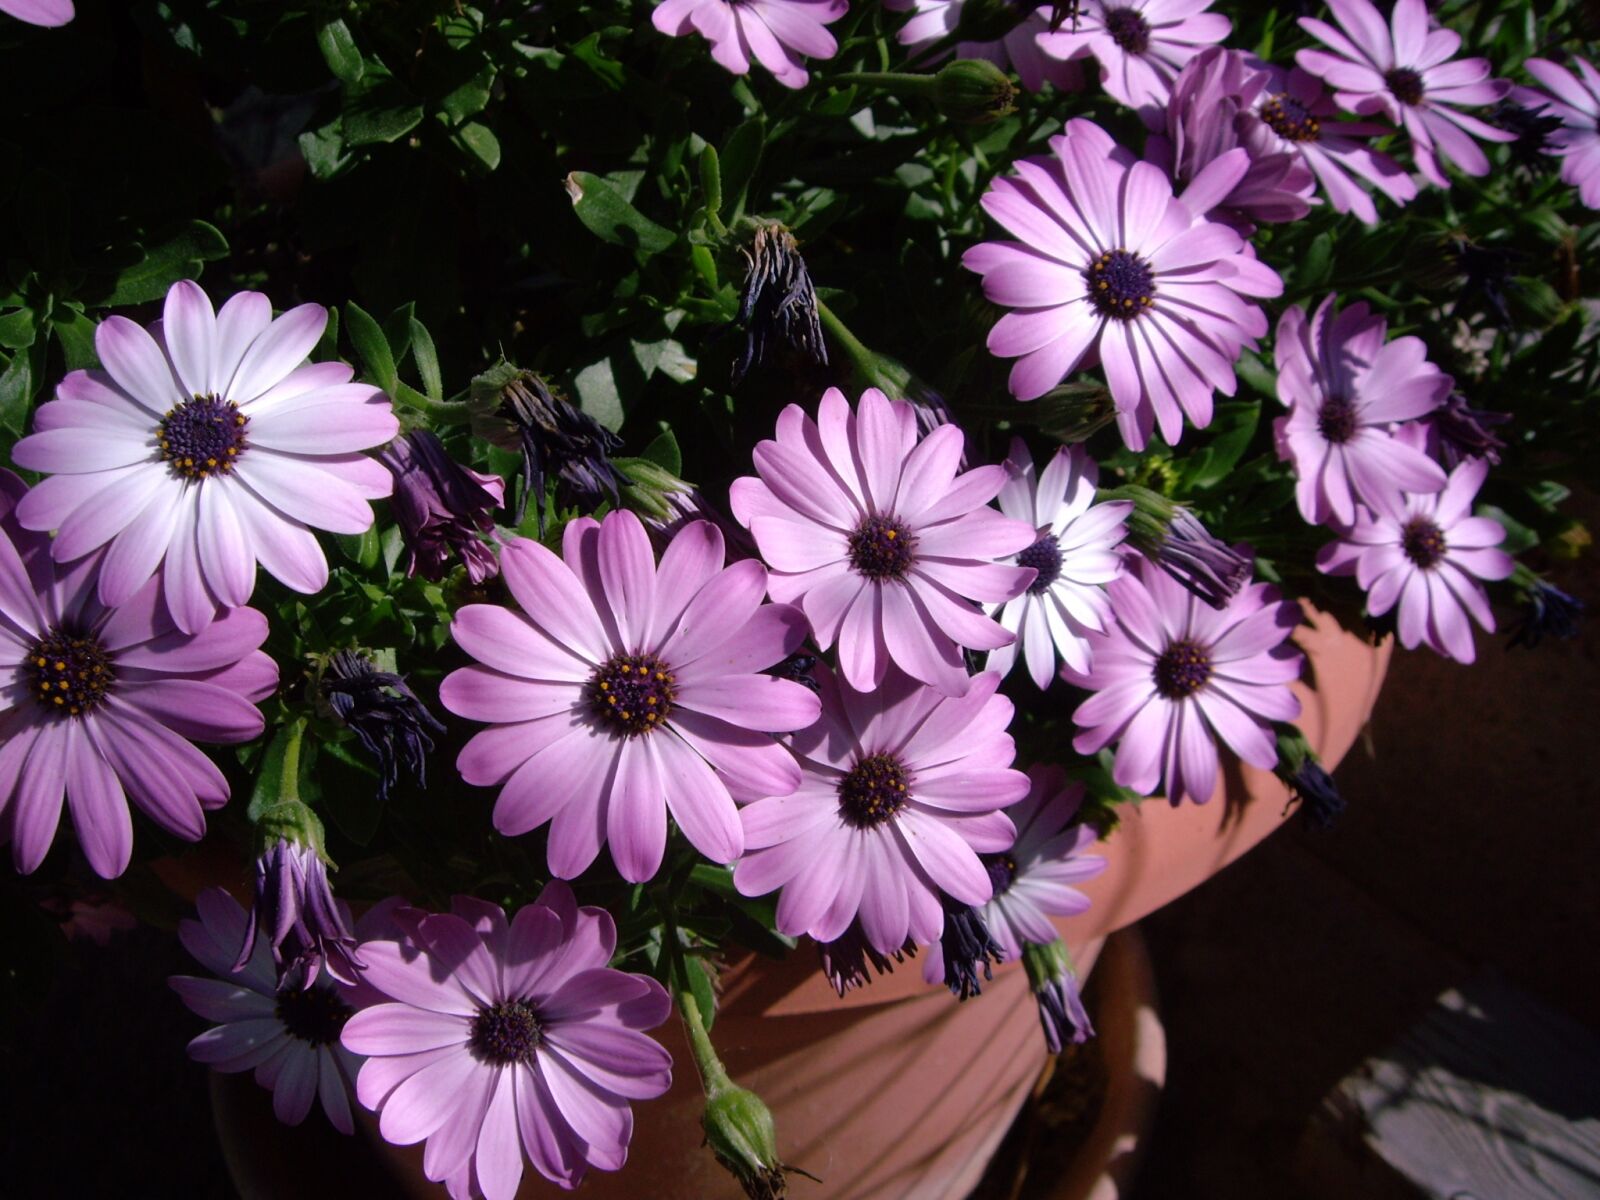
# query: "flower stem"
713,1075
901,82
289,781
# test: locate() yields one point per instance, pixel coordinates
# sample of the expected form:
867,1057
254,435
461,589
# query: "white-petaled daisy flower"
1075,557
206,445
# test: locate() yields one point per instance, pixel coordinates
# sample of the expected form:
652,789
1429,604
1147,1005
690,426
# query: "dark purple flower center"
506,1033
313,1014
1044,556
632,693
202,437
1121,284
1423,542
1128,29
1290,120
1337,420
1406,85
1002,870
881,548
70,674
874,791
1183,669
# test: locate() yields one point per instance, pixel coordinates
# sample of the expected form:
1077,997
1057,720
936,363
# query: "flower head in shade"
1016,48
295,906
846,960
779,308
393,726
1109,262
442,507
1346,388
881,540
49,13
1308,782
902,792
965,947
1526,114
1172,677
1141,45
1545,610
621,692
1426,559
1033,880
1457,432
1055,987
1574,99
1176,540
288,1035
206,445
99,704
1401,67
1208,116
778,34
1075,556
1294,114
503,1039
517,410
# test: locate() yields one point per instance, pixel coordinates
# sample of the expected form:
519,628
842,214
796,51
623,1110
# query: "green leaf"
323,149
339,49
1232,428
180,255
664,452
609,216
739,159
426,356
382,111
16,391
479,141
76,333
598,395
372,346
269,775
353,805
397,330
360,548
471,98
688,974
711,180
18,329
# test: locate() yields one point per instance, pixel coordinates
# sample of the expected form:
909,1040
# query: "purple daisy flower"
1346,388
1033,880
1428,558
1109,261
1402,69
1294,113
206,445
1575,100
509,1038
442,508
99,704
776,33
621,692
1141,45
1211,100
903,790
49,13
881,540
289,1035
1018,50
1075,557
1173,675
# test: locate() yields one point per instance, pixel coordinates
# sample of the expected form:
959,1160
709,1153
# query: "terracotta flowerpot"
897,1092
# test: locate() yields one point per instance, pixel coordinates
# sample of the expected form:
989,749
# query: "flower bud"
1173,538
1074,412
1305,778
441,507
293,902
741,1134
1544,609
974,91
1062,1016
779,308
393,726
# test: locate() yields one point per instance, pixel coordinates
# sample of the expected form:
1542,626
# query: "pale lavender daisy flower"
1575,100
903,790
1017,50
1206,117
289,1035
1294,113
881,540
206,445
776,33
1141,45
1346,388
99,705
1427,558
1108,261
1173,675
1075,557
1401,68
621,692
504,1039
49,13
